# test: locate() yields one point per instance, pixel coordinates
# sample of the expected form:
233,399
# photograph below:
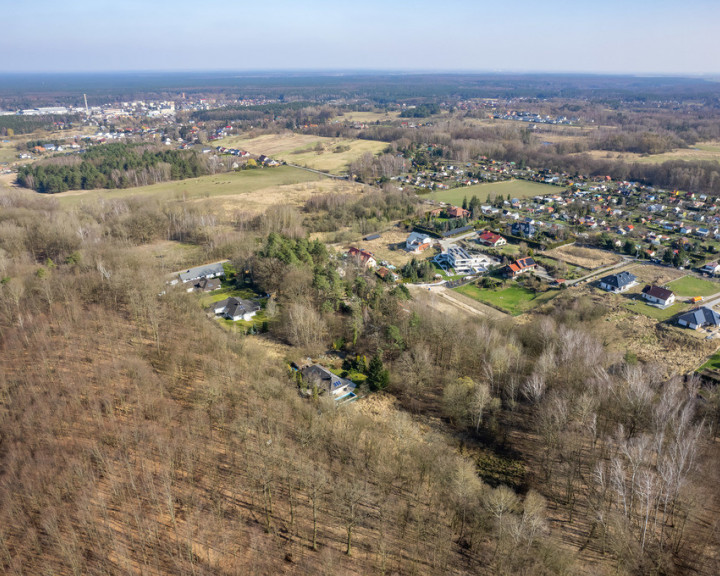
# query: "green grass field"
713,363
658,314
514,299
690,286
228,183
515,188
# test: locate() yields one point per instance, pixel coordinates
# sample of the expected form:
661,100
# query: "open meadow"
227,183
317,152
514,299
691,286
513,188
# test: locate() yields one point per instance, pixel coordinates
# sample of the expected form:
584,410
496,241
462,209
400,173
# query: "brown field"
317,152
653,274
589,258
701,151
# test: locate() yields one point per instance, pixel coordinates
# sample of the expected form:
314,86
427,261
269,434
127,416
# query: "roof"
491,237
657,292
701,317
418,238
521,264
316,371
372,237
202,272
235,307
362,255
618,280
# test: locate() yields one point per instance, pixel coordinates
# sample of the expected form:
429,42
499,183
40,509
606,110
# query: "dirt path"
447,301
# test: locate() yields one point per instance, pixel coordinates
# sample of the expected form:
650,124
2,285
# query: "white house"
699,317
417,242
659,296
464,262
207,271
236,308
618,282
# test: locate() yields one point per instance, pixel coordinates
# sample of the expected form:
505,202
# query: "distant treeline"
14,124
112,166
239,113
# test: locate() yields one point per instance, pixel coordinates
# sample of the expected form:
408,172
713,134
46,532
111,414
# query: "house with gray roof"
617,283
700,318
207,271
317,375
236,308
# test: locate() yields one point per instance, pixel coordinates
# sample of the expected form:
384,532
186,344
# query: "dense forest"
111,166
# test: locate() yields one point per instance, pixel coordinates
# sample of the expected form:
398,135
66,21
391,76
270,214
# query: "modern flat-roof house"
362,257
318,375
464,262
417,242
491,239
617,283
236,308
519,266
699,318
658,296
207,271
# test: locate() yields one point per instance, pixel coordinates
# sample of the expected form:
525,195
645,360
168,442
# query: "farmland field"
514,188
690,286
317,152
514,299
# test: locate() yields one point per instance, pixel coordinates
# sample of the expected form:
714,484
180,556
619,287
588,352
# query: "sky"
604,36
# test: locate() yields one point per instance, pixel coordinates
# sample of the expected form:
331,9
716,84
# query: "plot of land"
229,183
657,275
690,286
369,117
639,306
713,363
320,153
514,299
589,258
514,188
389,247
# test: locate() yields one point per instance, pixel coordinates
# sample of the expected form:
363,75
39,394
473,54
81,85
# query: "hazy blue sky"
636,36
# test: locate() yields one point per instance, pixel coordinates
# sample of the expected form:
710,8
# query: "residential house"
464,262
207,271
711,268
617,283
362,257
658,295
417,242
519,266
387,274
236,308
317,375
523,229
491,239
455,212
699,318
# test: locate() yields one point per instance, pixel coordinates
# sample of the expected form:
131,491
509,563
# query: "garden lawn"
690,286
514,299
515,188
713,363
658,314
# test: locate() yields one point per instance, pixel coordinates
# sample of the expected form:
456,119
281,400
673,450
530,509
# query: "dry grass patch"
390,246
589,258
